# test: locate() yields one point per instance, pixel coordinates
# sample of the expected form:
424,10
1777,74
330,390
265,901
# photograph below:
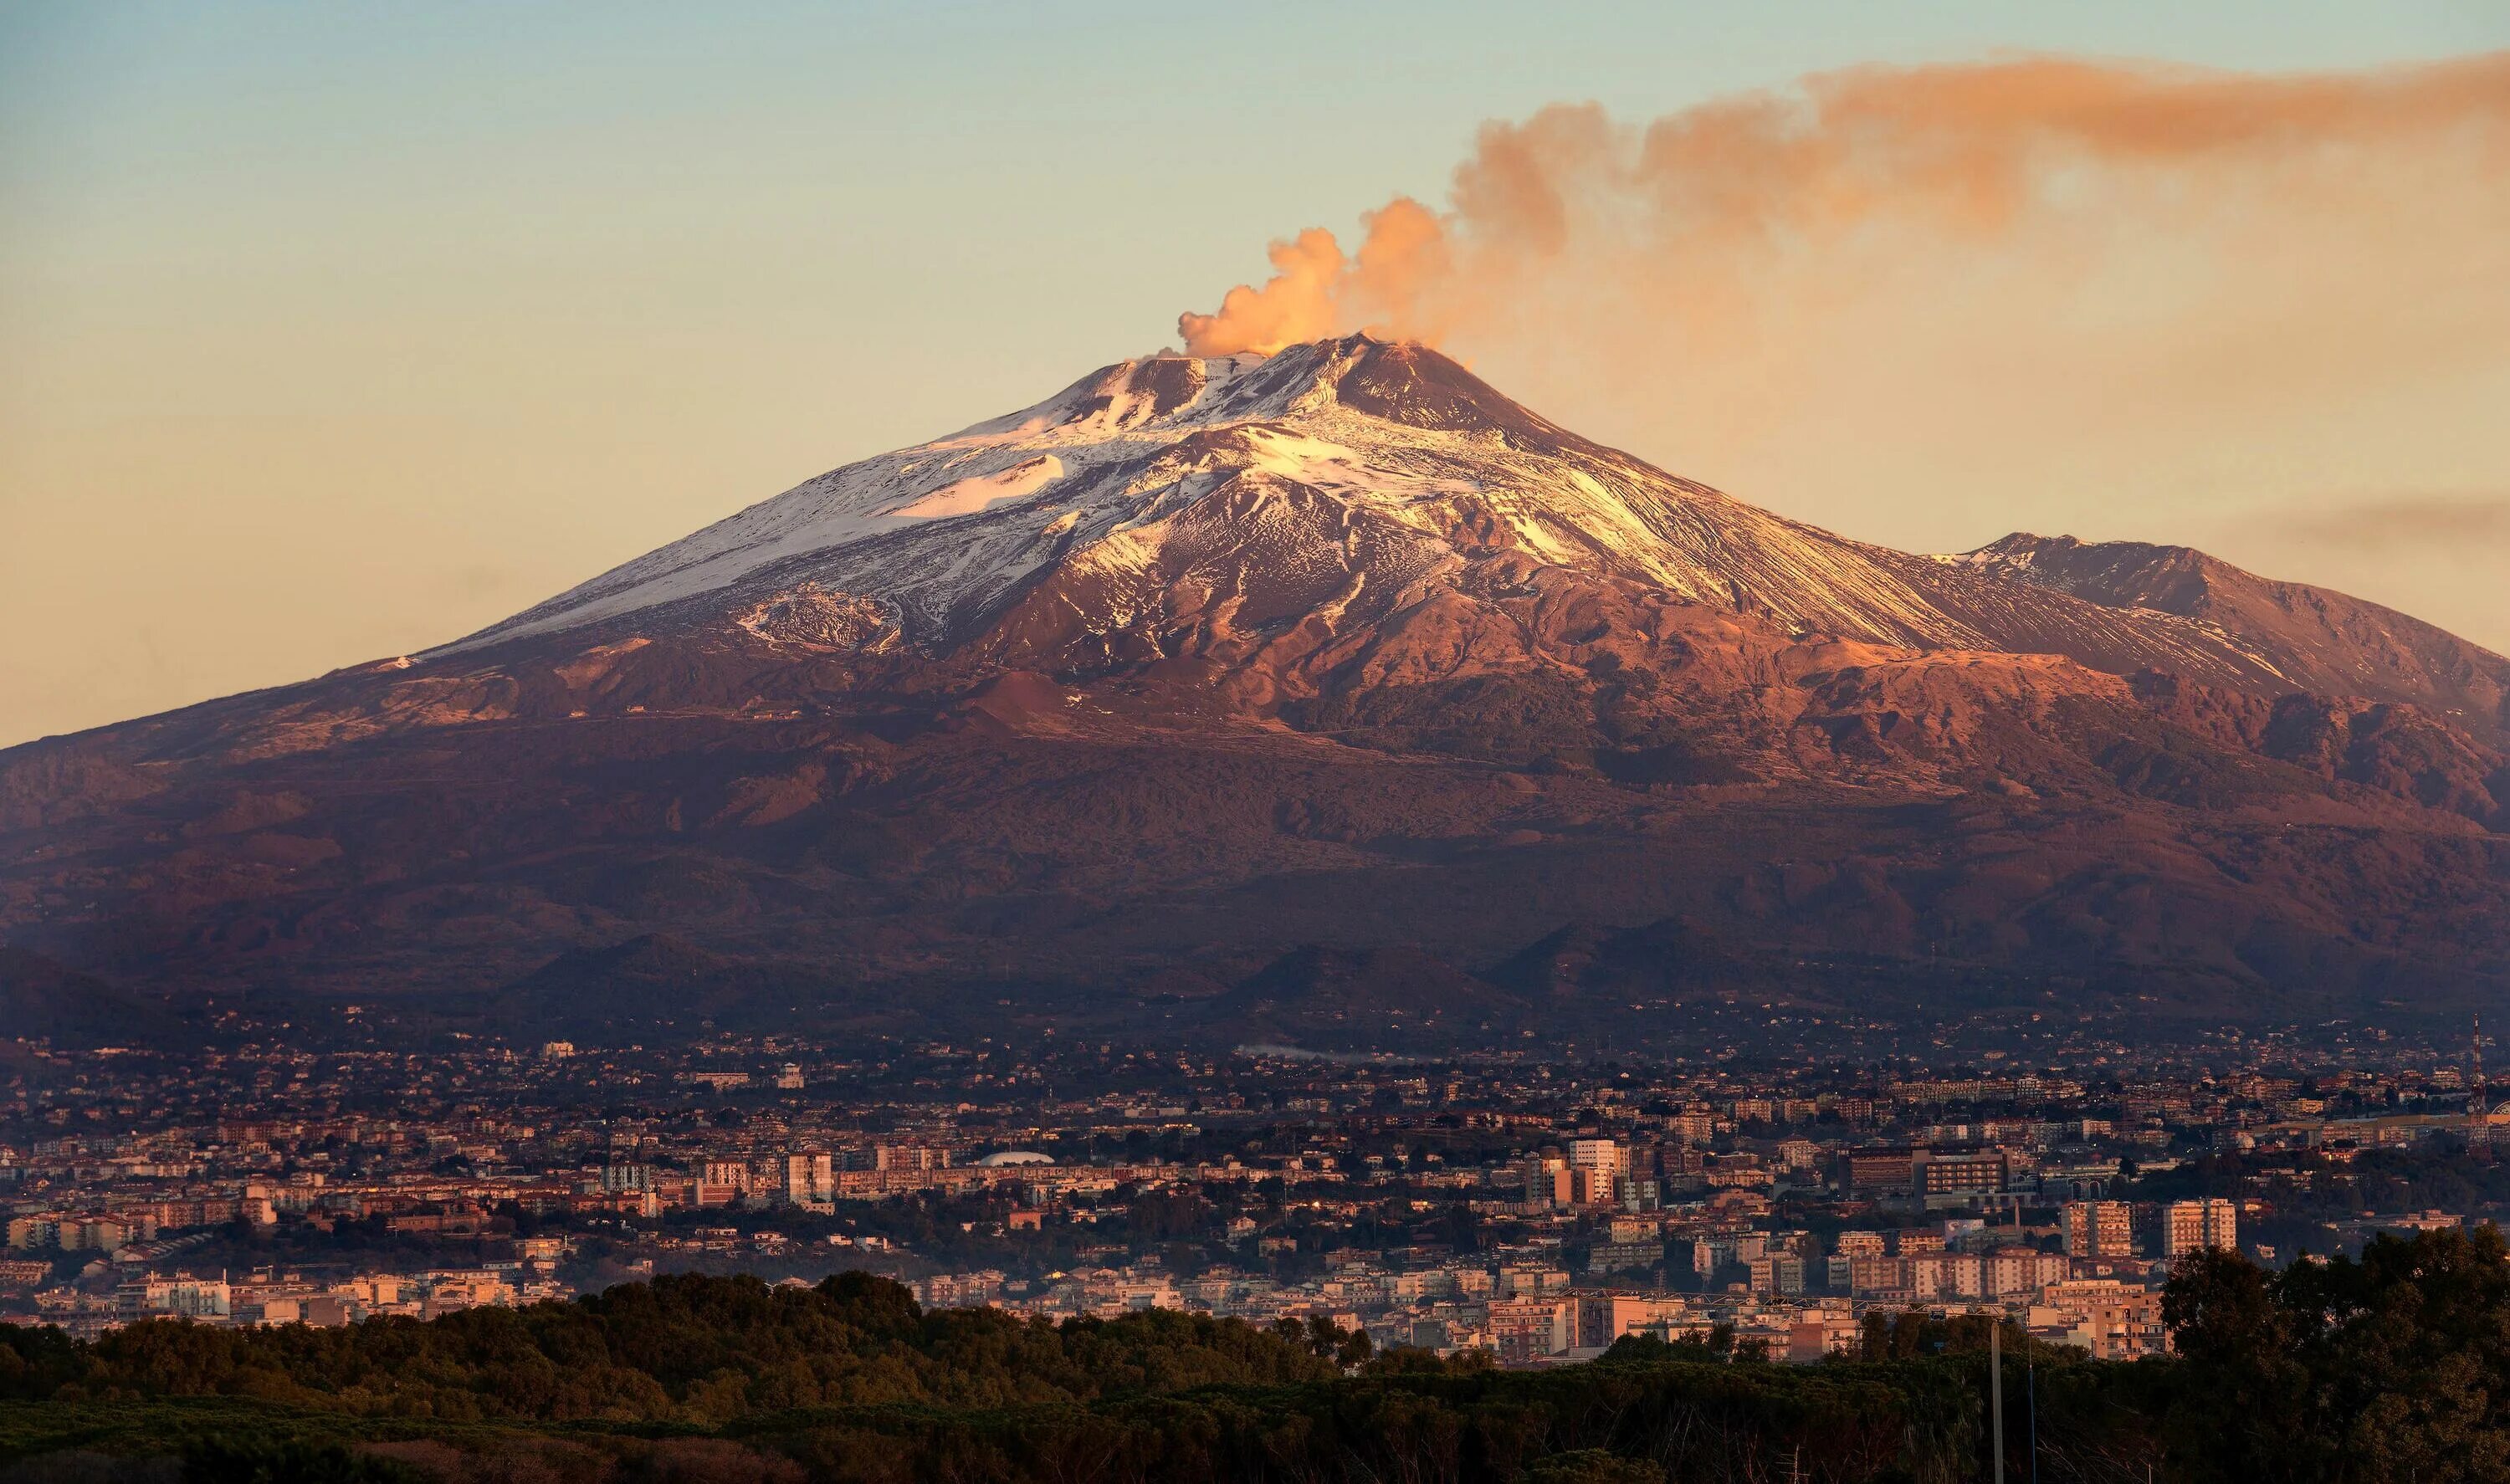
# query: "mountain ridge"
2316,637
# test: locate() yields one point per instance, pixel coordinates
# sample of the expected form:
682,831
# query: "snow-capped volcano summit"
1174,505
1412,450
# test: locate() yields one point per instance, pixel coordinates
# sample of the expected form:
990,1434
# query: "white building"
2193,1225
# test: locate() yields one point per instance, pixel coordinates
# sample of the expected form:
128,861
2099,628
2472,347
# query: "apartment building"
1526,1330
2193,1225
1604,1317
2099,1228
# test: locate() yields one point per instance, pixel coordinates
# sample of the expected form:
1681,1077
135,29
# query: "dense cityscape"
1535,1211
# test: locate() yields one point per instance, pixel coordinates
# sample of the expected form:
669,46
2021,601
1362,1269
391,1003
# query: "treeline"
684,1349
2390,1369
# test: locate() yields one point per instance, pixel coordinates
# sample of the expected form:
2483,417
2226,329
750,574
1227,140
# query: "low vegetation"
2390,1369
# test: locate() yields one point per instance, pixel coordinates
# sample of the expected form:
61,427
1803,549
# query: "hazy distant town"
1538,1211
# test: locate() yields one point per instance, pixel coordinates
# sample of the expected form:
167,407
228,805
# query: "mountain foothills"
1327,699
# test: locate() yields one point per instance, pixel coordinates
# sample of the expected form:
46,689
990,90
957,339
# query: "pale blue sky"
333,330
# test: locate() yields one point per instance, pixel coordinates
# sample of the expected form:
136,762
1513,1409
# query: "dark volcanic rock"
44,1000
1397,997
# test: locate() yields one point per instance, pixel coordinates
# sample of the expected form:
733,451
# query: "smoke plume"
1935,304
1700,214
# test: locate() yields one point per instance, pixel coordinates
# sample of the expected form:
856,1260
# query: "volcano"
1329,698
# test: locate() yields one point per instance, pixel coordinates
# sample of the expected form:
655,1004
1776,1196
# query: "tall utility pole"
2475,1109
1996,1387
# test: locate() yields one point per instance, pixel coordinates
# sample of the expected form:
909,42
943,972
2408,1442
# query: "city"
1537,1212
1145,743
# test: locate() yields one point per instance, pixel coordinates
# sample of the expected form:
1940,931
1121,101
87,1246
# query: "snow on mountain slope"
1327,469
1061,448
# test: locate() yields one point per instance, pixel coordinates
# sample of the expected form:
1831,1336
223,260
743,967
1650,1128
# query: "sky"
330,333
